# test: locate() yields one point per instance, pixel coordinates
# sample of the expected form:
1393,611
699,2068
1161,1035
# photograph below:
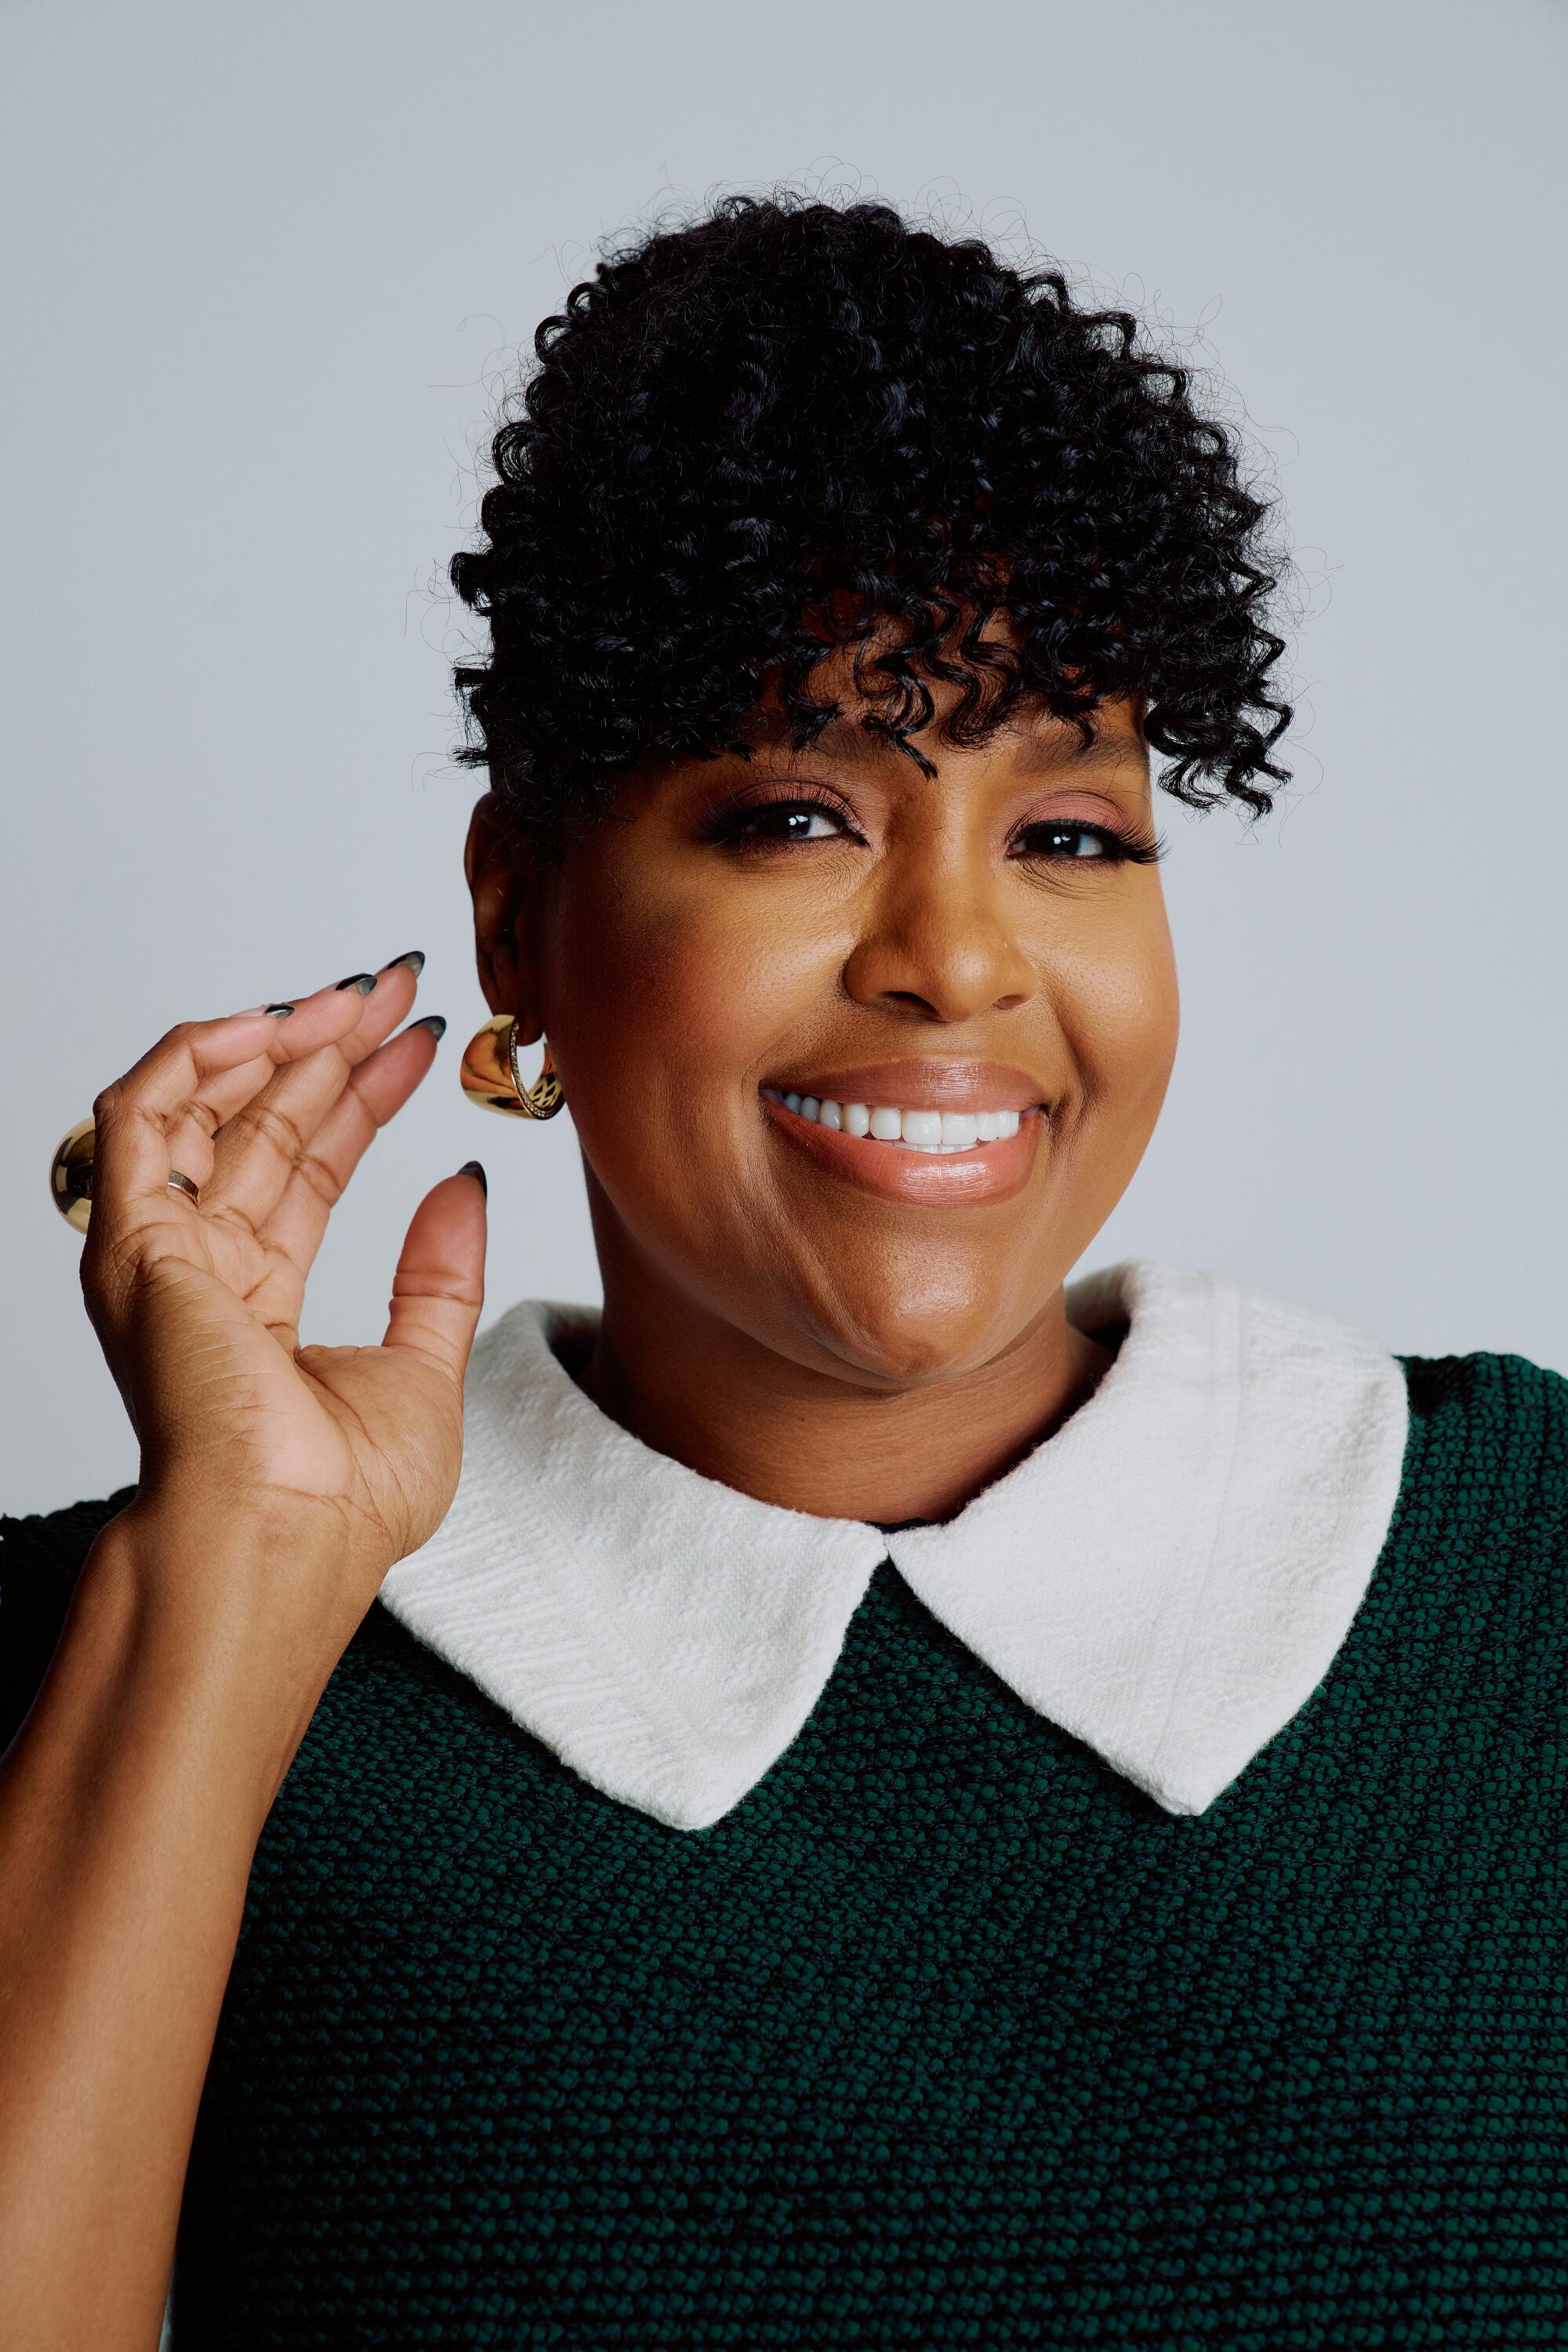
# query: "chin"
903,1334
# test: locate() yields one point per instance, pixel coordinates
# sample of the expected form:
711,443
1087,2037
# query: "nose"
937,943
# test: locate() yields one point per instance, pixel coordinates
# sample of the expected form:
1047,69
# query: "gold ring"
70,1176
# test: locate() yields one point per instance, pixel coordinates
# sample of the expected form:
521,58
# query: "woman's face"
968,951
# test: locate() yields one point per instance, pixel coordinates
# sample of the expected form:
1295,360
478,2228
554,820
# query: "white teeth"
914,1130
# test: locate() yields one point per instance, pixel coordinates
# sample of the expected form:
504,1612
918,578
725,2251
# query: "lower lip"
945,1180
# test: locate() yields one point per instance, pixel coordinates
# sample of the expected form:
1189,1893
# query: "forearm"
130,1808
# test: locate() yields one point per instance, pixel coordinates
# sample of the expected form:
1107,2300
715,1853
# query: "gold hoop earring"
70,1175
490,1078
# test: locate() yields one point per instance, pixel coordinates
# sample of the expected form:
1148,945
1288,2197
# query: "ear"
502,874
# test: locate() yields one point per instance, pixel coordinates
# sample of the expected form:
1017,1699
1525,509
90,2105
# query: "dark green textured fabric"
947,2035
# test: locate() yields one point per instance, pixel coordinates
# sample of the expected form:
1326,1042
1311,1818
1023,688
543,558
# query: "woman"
900,1800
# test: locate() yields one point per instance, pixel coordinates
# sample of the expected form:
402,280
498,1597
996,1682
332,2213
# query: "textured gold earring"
491,1078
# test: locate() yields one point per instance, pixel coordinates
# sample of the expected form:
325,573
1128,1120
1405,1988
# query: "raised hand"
347,1454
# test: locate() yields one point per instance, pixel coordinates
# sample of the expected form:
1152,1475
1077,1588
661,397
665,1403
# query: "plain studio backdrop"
267,272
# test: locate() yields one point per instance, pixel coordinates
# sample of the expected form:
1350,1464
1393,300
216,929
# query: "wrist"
221,1619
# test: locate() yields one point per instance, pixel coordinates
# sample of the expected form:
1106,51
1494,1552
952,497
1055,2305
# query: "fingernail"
415,960
471,1168
363,981
278,1012
434,1022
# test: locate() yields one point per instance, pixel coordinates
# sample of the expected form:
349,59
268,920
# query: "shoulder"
1487,1393
41,1557
1489,1438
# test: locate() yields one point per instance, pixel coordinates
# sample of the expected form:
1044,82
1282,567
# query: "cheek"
666,1009
1119,1005
664,1005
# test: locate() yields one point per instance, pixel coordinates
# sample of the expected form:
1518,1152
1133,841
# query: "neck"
696,1387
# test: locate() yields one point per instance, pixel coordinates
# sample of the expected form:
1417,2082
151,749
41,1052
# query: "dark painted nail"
363,981
471,1168
434,1022
415,960
279,1012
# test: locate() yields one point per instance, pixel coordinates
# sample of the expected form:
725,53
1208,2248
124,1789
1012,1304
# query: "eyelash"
727,827
726,823
1121,849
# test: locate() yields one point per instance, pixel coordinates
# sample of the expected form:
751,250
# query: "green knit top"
946,2035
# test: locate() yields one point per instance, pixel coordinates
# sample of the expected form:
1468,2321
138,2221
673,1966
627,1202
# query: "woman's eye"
1065,841
776,823
789,821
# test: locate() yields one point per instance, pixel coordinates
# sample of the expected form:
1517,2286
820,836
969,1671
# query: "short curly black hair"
791,417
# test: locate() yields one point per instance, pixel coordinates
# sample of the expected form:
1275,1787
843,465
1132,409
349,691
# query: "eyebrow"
1100,751
847,739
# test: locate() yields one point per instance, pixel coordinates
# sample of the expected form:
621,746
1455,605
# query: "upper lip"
924,1085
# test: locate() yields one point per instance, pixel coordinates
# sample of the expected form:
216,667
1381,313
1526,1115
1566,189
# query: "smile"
911,1130
932,1134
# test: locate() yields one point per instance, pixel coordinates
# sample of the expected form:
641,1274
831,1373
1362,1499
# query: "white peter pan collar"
1168,1577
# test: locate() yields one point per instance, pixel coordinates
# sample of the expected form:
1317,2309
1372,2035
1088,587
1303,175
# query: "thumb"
440,1285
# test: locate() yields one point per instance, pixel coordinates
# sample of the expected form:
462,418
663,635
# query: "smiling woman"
880,1791
743,935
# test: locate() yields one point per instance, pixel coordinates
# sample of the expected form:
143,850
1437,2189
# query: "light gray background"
266,266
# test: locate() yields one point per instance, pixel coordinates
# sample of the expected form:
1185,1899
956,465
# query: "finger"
256,1150
342,1008
439,1286
373,1093
172,1101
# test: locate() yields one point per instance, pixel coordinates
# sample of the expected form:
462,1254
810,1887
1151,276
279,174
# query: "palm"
209,1358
